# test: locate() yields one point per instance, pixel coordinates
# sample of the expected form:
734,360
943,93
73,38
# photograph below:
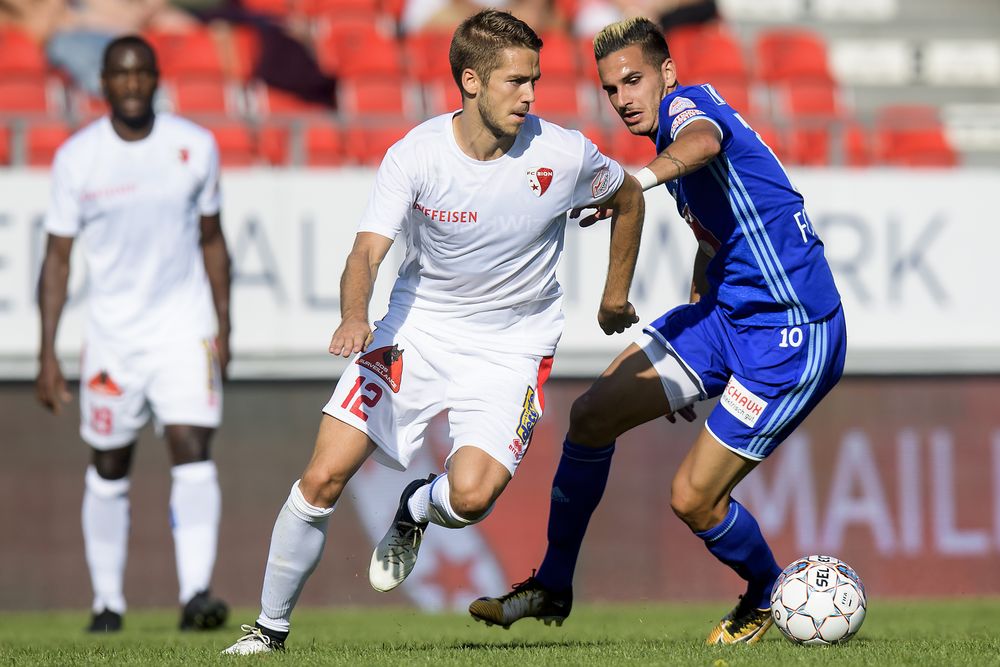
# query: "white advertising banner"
914,253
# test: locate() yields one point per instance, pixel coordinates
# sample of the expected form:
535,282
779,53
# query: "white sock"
195,508
418,504
296,547
439,509
105,519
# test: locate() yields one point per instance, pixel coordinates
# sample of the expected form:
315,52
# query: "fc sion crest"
539,180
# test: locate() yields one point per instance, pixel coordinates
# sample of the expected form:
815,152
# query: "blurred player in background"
479,197
142,193
764,330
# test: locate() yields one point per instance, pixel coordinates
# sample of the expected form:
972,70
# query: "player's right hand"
50,386
596,216
351,337
616,318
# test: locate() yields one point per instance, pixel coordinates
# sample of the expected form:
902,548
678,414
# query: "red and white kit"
135,206
475,313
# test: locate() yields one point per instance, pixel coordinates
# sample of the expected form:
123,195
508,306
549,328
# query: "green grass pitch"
955,632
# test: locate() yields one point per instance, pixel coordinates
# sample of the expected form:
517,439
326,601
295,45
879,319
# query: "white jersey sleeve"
391,197
209,197
599,177
63,215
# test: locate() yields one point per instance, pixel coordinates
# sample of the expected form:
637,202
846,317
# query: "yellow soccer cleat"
743,625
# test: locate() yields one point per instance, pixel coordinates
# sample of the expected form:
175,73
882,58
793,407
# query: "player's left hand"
596,216
686,412
616,317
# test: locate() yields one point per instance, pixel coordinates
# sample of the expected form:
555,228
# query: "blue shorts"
769,378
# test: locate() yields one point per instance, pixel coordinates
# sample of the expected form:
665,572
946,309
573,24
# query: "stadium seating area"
782,63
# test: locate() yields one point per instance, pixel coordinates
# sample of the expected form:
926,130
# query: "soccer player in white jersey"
480,198
141,192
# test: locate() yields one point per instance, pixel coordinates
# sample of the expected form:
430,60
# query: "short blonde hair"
636,30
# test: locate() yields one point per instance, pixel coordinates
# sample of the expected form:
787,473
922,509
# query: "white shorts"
178,382
392,391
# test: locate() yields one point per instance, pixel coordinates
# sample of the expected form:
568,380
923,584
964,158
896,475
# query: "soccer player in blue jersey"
764,330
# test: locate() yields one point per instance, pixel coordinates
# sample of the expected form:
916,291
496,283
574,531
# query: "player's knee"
322,487
112,464
691,507
471,502
188,444
589,424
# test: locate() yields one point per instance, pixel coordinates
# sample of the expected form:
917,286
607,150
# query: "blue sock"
576,490
738,543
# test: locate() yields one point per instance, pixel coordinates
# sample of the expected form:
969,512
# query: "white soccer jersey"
136,205
483,238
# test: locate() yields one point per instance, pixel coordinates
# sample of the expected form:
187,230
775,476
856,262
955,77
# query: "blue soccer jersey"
768,267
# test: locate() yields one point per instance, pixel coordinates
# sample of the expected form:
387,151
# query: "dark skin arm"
50,385
629,208
217,268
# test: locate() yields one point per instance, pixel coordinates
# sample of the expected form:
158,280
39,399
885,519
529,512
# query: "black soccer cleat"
105,621
528,599
203,612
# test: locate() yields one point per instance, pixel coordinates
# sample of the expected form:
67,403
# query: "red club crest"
539,180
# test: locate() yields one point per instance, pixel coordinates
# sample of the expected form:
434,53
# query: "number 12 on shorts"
370,401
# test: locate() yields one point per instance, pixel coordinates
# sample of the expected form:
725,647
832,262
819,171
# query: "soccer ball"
818,600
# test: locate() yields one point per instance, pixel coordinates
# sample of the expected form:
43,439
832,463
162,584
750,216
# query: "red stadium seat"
372,55
809,145
4,145
736,92
273,144
42,141
236,144
559,58
367,145
427,56
24,94
270,101
912,135
189,53
198,95
363,96
791,54
245,45
346,37
629,149
810,98
20,54
324,145
857,145
713,53
320,8
556,97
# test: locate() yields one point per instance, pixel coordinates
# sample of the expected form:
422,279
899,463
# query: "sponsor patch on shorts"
742,403
684,117
529,416
679,105
387,363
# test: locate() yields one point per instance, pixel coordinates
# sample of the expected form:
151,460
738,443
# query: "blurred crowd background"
335,82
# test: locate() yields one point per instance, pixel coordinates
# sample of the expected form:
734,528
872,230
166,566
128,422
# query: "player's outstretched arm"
629,208
50,386
354,333
217,268
695,146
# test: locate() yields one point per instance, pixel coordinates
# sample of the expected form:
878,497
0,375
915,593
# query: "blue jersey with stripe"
768,268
